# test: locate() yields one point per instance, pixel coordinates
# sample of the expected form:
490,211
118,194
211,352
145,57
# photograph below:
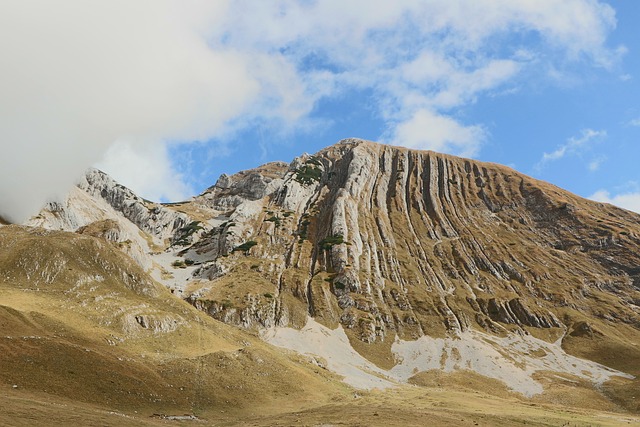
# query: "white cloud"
147,168
78,75
635,122
573,145
421,55
595,164
630,201
426,130
424,55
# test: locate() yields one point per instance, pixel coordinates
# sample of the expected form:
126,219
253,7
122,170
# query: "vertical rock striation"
388,241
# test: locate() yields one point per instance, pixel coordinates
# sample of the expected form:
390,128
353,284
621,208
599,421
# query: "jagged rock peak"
109,200
232,190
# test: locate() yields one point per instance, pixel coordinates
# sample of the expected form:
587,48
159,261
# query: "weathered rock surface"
152,218
99,197
388,241
388,247
101,207
383,240
254,184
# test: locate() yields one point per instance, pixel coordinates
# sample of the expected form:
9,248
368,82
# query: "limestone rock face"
391,242
98,197
155,219
101,207
385,241
413,259
231,191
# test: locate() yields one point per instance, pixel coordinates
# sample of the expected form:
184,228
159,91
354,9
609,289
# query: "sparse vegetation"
275,219
304,228
329,242
313,161
178,264
245,247
307,174
126,244
186,232
268,295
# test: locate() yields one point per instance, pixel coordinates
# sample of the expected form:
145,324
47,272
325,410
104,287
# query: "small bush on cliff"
328,242
308,174
245,246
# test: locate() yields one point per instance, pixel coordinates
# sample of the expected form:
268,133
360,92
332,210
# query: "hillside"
80,321
397,266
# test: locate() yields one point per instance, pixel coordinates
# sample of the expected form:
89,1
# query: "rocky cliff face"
387,241
101,207
382,240
98,197
417,260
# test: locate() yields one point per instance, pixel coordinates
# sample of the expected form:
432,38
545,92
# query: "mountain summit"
392,264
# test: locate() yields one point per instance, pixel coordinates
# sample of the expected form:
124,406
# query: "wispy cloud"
630,201
573,146
427,58
427,130
635,122
595,164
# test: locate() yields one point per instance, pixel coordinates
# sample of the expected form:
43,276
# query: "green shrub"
274,219
304,227
308,174
245,246
328,242
313,161
186,232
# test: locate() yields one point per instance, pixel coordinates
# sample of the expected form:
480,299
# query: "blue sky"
587,114
166,95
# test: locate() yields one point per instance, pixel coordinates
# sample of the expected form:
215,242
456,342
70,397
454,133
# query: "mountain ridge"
387,243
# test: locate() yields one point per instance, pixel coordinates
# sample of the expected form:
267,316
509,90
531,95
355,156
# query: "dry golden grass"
70,342
84,343
196,212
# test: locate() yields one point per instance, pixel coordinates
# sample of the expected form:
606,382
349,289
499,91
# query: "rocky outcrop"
254,184
98,197
160,222
101,207
514,311
158,323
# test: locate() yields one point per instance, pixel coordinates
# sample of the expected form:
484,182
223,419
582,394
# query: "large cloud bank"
84,81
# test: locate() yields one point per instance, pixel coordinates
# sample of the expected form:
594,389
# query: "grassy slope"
78,342
69,346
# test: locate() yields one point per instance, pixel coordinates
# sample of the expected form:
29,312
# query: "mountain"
388,265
